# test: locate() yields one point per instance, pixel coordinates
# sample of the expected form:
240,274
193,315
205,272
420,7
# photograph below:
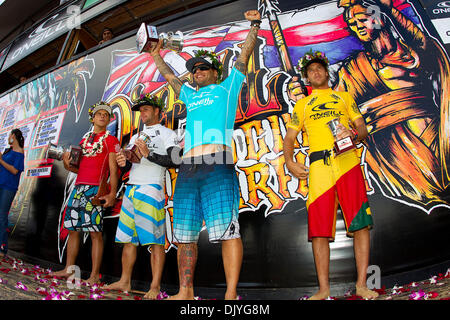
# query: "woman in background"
11,166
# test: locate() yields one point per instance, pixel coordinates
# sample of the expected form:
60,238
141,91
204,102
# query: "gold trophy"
131,151
148,34
55,152
340,145
172,41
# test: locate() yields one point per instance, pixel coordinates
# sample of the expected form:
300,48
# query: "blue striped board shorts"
142,218
208,192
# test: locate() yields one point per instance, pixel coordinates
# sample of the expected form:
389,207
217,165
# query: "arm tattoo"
168,74
176,84
247,50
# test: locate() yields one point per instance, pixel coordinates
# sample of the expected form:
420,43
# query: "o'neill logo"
444,4
323,106
443,7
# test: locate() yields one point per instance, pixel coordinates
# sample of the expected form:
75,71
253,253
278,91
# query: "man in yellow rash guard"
333,179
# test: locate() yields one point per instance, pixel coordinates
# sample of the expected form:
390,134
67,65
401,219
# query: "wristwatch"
355,134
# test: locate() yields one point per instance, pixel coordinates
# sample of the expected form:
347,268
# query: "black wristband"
255,23
150,156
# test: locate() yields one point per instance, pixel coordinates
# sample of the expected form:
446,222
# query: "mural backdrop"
390,60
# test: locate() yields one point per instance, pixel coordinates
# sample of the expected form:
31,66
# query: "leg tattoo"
187,259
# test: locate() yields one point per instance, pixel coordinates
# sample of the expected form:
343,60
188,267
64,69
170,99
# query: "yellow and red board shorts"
338,182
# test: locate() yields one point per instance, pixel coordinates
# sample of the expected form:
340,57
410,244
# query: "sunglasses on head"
202,67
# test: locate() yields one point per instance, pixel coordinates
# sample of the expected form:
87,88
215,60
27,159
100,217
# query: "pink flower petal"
417,295
431,295
20,285
95,296
162,295
42,291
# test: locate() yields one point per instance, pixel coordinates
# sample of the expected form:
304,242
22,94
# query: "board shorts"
337,181
81,214
142,218
209,192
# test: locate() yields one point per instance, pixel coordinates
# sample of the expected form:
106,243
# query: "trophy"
341,145
131,151
103,189
55,152
147,34
172,41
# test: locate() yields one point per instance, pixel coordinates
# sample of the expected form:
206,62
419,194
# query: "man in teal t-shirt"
207,188
212,111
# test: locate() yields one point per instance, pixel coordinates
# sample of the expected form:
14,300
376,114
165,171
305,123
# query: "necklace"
91,149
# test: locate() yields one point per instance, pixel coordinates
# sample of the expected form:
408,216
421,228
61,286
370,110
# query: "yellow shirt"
312,113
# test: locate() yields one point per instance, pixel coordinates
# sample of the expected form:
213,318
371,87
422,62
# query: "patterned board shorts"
80,214
206,192
339,182
142,216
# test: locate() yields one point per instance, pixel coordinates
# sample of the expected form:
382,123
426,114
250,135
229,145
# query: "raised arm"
255,18
163,68
406,27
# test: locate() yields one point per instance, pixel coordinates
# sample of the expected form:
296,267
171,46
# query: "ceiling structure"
121,19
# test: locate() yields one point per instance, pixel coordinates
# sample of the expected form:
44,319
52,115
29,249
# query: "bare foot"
231,296
119,285
61,274
180,296
93,279
365,293
320,295
152,294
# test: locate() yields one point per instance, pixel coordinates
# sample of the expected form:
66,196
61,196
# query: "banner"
3,54
50,29
402,92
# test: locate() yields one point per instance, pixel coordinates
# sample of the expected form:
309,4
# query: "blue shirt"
211,111
7,179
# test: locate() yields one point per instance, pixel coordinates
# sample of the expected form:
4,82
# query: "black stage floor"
27,278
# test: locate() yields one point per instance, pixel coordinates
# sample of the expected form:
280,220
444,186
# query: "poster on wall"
48,129
10,116
26,127
265,108
4,140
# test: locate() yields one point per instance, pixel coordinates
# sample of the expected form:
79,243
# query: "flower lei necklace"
89,149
